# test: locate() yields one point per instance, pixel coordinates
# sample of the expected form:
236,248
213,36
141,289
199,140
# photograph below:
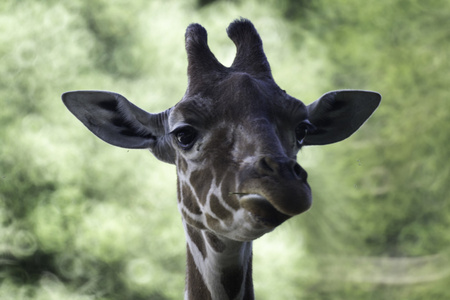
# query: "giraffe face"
236,147
234,136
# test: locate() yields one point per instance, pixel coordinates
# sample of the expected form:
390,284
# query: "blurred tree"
202,3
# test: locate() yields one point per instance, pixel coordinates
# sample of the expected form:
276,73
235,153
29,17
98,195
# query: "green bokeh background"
81,219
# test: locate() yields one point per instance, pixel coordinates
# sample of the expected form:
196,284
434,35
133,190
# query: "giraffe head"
234,136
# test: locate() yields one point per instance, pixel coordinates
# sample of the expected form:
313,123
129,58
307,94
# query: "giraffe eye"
302,130
185,136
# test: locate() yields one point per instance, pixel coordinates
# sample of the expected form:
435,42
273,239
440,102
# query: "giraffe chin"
262,211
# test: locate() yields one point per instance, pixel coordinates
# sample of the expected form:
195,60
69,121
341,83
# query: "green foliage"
398,162
82,220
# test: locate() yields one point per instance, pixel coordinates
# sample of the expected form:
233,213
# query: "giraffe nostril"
282,167
299,171
266,166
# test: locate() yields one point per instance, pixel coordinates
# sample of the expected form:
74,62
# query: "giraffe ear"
337,115
119,122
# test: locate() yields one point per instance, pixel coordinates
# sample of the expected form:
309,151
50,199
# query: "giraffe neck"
217,268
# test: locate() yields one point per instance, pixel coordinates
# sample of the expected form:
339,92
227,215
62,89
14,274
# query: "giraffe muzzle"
275,190
261,209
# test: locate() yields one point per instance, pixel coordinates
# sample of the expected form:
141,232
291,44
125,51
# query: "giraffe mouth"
262,210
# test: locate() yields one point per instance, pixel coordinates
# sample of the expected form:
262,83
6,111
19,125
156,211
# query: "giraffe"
234,138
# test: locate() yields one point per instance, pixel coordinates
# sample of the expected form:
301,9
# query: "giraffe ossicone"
234,138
